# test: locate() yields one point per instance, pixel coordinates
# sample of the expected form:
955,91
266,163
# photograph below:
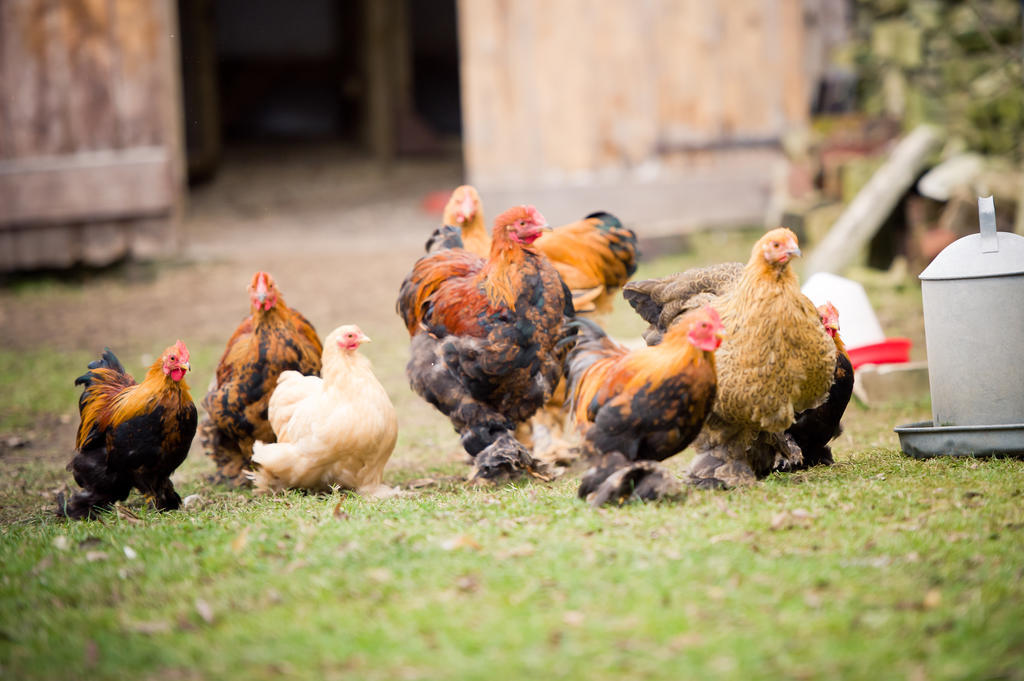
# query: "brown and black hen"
274,338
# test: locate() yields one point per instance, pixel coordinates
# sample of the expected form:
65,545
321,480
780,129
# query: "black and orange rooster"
131,434
635,408
815,428
484,336
274,338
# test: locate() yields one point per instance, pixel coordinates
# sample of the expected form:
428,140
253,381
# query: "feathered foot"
506,459
709,471
644,480
83,504
816,457
788,456
160,494
232,464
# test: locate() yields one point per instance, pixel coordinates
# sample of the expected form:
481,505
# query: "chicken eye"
173,358
775,244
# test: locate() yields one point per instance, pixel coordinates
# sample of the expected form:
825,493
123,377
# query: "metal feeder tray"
922,440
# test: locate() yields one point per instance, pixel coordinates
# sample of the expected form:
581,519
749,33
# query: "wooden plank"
140,39
873,204
86,186
569,92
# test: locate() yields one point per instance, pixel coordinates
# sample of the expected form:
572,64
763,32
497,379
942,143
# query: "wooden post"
873,204
388,74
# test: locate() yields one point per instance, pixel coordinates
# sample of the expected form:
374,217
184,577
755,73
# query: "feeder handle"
987,218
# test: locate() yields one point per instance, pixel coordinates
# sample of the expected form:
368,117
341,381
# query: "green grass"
883,566
878,567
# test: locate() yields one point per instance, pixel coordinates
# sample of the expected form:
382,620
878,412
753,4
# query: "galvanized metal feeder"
973,295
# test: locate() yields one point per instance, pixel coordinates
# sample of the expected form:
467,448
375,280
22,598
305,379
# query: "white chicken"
336,430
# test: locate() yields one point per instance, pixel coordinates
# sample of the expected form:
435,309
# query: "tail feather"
592,345
104,380
445,237
271,465
108,360
621,241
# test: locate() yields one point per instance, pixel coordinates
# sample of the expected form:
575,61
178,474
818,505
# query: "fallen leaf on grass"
687,640
15,442
92,654
204,610
126,514
130,553
813,599
798,517
190,501
61,542
93,556
149,628
932,599
515,552
573,618
420,483
293,566
724,507
467,583
461,541
239,542
732,536
43,565
339,513
380,575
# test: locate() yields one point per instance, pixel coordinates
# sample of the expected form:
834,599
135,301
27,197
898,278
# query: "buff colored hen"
338,430
776,359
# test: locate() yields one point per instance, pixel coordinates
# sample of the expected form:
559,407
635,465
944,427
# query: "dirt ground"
337,233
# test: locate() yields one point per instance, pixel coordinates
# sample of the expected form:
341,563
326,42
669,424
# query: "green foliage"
958,64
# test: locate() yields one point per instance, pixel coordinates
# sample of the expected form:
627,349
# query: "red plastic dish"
889,351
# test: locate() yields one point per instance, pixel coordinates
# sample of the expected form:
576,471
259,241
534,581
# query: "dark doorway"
378,76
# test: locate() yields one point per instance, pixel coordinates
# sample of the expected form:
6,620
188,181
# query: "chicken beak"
363,338
547,228
794,252
186,366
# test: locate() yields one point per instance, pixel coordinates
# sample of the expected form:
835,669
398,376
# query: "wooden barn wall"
90,166
559,91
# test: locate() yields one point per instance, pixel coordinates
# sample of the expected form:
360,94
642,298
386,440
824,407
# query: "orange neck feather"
500,274
157,387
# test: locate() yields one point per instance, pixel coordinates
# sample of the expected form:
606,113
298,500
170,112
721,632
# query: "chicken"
776,360
594,256
815,428
484,335
274,338
131,434
338,429
637,408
